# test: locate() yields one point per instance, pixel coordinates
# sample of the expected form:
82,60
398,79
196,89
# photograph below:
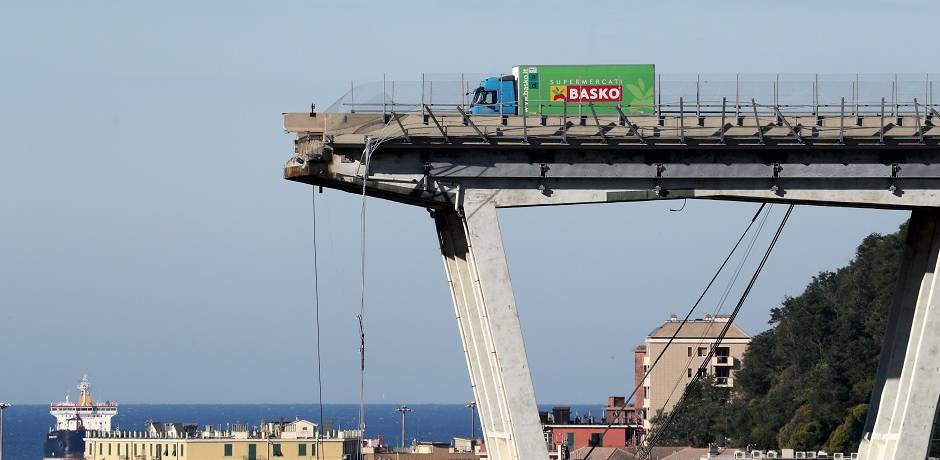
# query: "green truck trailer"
572,89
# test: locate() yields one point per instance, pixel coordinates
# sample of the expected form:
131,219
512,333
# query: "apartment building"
683,359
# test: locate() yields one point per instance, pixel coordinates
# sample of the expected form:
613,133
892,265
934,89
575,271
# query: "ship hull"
63,444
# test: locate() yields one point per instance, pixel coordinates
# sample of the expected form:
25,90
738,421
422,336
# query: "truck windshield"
482,97
477,96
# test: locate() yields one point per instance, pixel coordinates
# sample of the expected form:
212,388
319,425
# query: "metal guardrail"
700,94
746,125
797,109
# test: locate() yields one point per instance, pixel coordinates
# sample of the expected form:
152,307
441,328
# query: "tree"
845,437
806,381
699,419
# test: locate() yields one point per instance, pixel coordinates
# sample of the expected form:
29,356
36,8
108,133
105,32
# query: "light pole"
3,406
404,410
472,405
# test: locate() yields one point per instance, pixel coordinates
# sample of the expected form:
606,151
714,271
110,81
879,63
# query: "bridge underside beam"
478,276
887,177
907,383
885,192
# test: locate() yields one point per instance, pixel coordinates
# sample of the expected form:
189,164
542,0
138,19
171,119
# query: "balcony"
726,382
723,361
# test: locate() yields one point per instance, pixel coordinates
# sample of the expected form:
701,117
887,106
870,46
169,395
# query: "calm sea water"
25,426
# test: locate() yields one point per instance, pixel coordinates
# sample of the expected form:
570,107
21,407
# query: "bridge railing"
892,95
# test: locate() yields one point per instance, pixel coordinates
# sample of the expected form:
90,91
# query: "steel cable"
724,297
724,331
316,303
371,145
684,320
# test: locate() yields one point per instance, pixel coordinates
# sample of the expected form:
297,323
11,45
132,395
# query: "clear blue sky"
148,239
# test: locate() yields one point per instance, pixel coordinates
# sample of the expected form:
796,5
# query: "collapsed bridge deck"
423,158
464,167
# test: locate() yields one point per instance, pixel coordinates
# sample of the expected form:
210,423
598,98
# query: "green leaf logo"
641,92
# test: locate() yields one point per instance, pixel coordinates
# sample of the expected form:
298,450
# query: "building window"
314,448
302,450
109,448
181,449
702,351
570,440
276,450
119,450
228,450
690,352
100,449
174,450
597,439
702,372
689,372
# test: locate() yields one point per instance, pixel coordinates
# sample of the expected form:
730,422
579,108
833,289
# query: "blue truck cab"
495,96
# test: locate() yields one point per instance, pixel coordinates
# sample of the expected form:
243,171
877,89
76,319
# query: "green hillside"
805,383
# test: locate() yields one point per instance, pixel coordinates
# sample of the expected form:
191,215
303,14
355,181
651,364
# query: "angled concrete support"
489,328
907,384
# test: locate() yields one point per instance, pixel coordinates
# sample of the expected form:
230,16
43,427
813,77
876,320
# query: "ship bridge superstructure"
84,413
849,140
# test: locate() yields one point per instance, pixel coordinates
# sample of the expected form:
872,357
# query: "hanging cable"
316,304
684,320
366,157
680,207
371,144
721,336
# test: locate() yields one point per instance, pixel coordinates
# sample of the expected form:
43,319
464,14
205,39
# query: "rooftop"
626,453
708,328
281,430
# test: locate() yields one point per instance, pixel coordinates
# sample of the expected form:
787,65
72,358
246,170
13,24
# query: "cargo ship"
73,421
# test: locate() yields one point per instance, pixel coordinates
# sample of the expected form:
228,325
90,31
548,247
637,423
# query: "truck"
567,89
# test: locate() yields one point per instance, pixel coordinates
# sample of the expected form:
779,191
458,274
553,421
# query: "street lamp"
472,405
404,410
3,406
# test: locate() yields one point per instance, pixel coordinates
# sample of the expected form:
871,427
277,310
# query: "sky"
147,237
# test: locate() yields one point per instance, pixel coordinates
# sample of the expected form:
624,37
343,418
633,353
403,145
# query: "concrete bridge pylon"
478,277
907,383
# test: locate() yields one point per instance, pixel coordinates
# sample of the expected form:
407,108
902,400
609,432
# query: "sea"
25,426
